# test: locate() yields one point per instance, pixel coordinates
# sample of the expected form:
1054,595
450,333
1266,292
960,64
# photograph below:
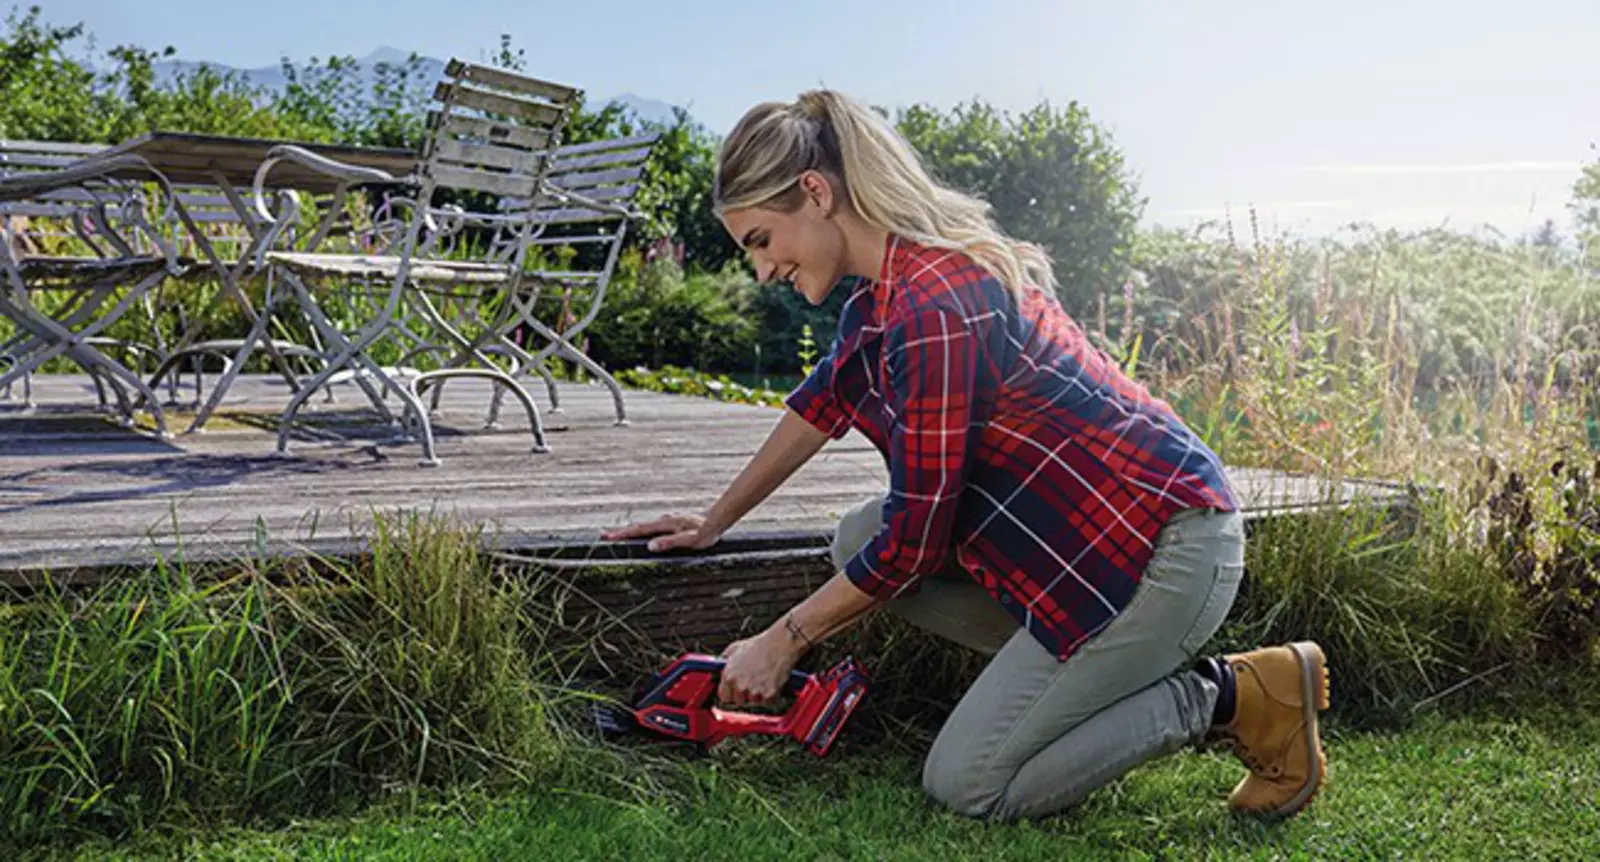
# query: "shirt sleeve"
932,370
814,400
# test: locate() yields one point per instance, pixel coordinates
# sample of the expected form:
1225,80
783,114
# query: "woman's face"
804,248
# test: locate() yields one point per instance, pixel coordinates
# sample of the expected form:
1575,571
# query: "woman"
1042,507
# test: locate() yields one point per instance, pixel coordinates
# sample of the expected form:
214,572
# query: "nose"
766,270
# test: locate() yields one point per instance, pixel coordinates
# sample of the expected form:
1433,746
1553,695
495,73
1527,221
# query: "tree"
44,94
1052,176
675,193
1585,206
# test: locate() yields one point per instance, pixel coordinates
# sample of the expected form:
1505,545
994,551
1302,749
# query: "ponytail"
881,176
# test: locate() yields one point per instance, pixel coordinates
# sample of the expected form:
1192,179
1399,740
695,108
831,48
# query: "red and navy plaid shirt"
1013,444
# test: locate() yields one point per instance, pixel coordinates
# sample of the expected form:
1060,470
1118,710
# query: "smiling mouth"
790,275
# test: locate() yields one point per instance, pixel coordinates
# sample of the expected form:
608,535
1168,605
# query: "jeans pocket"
1214,610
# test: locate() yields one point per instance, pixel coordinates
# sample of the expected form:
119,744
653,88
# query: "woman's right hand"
669,531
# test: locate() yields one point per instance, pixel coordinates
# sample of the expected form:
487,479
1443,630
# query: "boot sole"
1315,696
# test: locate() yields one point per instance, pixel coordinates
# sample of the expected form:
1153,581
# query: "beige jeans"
1034,734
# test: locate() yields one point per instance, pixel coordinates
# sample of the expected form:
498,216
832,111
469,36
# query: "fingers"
641,529
735,690
732,693
633,531
684,539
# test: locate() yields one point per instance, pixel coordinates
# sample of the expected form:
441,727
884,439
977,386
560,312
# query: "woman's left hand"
756,670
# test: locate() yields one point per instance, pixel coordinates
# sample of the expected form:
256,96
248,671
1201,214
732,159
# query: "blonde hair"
882,177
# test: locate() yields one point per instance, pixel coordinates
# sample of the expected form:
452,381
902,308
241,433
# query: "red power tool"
676,703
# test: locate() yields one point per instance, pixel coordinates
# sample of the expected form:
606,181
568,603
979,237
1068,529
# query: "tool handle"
795,684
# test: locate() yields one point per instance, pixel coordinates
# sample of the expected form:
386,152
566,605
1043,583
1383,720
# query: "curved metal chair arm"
83,174
427,213
22,187
345,173
288,216
389,222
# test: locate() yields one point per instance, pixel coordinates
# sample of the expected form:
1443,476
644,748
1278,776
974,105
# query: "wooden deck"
77,493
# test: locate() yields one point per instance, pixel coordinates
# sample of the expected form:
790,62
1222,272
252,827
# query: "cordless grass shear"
676,704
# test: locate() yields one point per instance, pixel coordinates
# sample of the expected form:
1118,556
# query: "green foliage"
790,331
808,351
687,381
44,94
202,100
1052,176
1512,785
1542,528
657,315
1362,352
328,102
1403,610
167,694
1585,206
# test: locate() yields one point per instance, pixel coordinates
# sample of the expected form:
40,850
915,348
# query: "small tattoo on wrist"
794,631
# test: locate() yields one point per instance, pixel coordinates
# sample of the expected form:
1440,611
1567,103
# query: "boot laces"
1244,752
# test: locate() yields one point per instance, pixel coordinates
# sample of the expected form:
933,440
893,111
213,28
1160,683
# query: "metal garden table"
228,164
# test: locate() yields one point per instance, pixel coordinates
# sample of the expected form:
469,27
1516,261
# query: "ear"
818,190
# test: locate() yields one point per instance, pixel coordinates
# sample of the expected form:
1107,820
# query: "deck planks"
78,493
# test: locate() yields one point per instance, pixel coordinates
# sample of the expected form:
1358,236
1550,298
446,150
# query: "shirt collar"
873,298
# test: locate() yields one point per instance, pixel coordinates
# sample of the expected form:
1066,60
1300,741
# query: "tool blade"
614,720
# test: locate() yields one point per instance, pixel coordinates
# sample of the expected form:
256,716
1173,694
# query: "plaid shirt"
1012,444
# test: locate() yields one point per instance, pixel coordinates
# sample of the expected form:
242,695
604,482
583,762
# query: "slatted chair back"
24,157
90,213
59,214
588,200
587,206
608,172
51,215
493,130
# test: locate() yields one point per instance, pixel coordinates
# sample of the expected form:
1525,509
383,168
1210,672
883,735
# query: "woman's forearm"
835,606
790,445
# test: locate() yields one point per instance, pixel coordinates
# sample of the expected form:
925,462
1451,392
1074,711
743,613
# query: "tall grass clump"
1458,373
1403,611
171,694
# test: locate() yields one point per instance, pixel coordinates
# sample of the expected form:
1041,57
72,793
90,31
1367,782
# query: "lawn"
1494,785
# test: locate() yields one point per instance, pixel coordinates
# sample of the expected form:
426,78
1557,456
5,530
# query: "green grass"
1494,785
178,700
166,696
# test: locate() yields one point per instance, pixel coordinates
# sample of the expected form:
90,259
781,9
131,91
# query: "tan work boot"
1278,692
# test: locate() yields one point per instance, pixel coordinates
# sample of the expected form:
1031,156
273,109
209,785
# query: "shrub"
258,693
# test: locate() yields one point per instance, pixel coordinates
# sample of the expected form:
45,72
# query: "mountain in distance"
271,78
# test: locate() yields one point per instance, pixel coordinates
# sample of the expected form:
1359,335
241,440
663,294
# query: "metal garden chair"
490,137
95,289
586,209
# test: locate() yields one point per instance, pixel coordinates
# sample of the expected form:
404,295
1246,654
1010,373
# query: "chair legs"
351,360
521,361
8,362
49,337
503,382
559,344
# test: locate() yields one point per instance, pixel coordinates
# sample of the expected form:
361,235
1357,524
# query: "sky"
1404,113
